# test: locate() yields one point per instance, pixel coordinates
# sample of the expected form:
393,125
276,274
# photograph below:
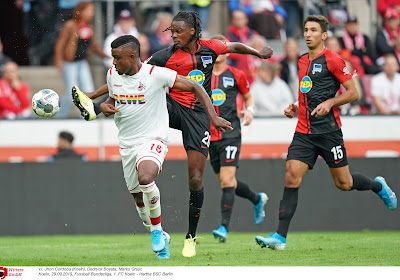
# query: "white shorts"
154,150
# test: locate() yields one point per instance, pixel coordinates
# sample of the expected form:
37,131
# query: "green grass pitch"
364,248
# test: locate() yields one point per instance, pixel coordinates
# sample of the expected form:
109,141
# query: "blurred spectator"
125,25
203,8
290,68
3,59
44,24
144,47
159,38
383,5
333,44
238,31
293,10
267,18
385,88
150,8
15,44
359,44
14,94
271,94
385,38
71,53
65,150
361,106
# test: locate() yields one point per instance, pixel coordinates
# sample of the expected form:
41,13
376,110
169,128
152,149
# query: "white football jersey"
142,105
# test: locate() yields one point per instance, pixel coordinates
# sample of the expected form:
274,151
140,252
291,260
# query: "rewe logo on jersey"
197,76
218,97
129,98
305,84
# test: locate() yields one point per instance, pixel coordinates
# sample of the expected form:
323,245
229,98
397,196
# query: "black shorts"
307,148
225,152
195,126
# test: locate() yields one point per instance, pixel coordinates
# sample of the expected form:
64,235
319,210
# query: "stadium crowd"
37,34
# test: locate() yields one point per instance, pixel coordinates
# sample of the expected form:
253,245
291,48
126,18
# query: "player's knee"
292,180
343,185
145,179
195,183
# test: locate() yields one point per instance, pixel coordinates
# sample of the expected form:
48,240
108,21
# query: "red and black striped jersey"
319,80
197,66
225,87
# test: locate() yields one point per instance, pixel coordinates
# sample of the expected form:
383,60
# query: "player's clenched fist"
266,52
290,111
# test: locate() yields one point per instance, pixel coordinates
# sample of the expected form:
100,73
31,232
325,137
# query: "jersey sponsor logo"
305,84
218,97
129,99
226,82
316,68
346,71
206,60
197,76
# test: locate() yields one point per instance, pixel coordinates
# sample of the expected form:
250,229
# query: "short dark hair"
67,136
128,40
193,20
323,21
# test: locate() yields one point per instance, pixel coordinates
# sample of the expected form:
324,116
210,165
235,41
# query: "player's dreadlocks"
192,19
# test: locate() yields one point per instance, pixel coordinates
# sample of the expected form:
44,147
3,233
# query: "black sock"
227,200
97,105
195,204
363,183
287,208
244,191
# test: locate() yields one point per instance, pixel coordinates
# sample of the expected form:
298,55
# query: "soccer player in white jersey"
137,100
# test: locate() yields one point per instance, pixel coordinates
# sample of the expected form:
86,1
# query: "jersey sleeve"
242,82
218,46
337,67
109,84
166,76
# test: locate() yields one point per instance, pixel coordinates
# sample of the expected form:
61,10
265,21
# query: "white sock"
144,215
151,199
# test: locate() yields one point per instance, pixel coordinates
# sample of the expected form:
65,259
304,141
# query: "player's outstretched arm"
184,84
236,47
99,92
350,95
108,107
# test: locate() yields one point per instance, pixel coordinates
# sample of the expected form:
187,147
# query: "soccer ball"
46,103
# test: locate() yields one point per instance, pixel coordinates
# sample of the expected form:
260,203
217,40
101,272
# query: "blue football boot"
259,212
164,254
221,233
386,194
157,240
274,241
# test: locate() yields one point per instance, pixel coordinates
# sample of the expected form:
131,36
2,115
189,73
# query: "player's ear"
192,31
324,35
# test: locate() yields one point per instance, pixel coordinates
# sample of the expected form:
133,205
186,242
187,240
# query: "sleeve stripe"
151,70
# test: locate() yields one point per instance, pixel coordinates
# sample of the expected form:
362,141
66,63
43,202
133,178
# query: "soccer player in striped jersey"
318,131
226,83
